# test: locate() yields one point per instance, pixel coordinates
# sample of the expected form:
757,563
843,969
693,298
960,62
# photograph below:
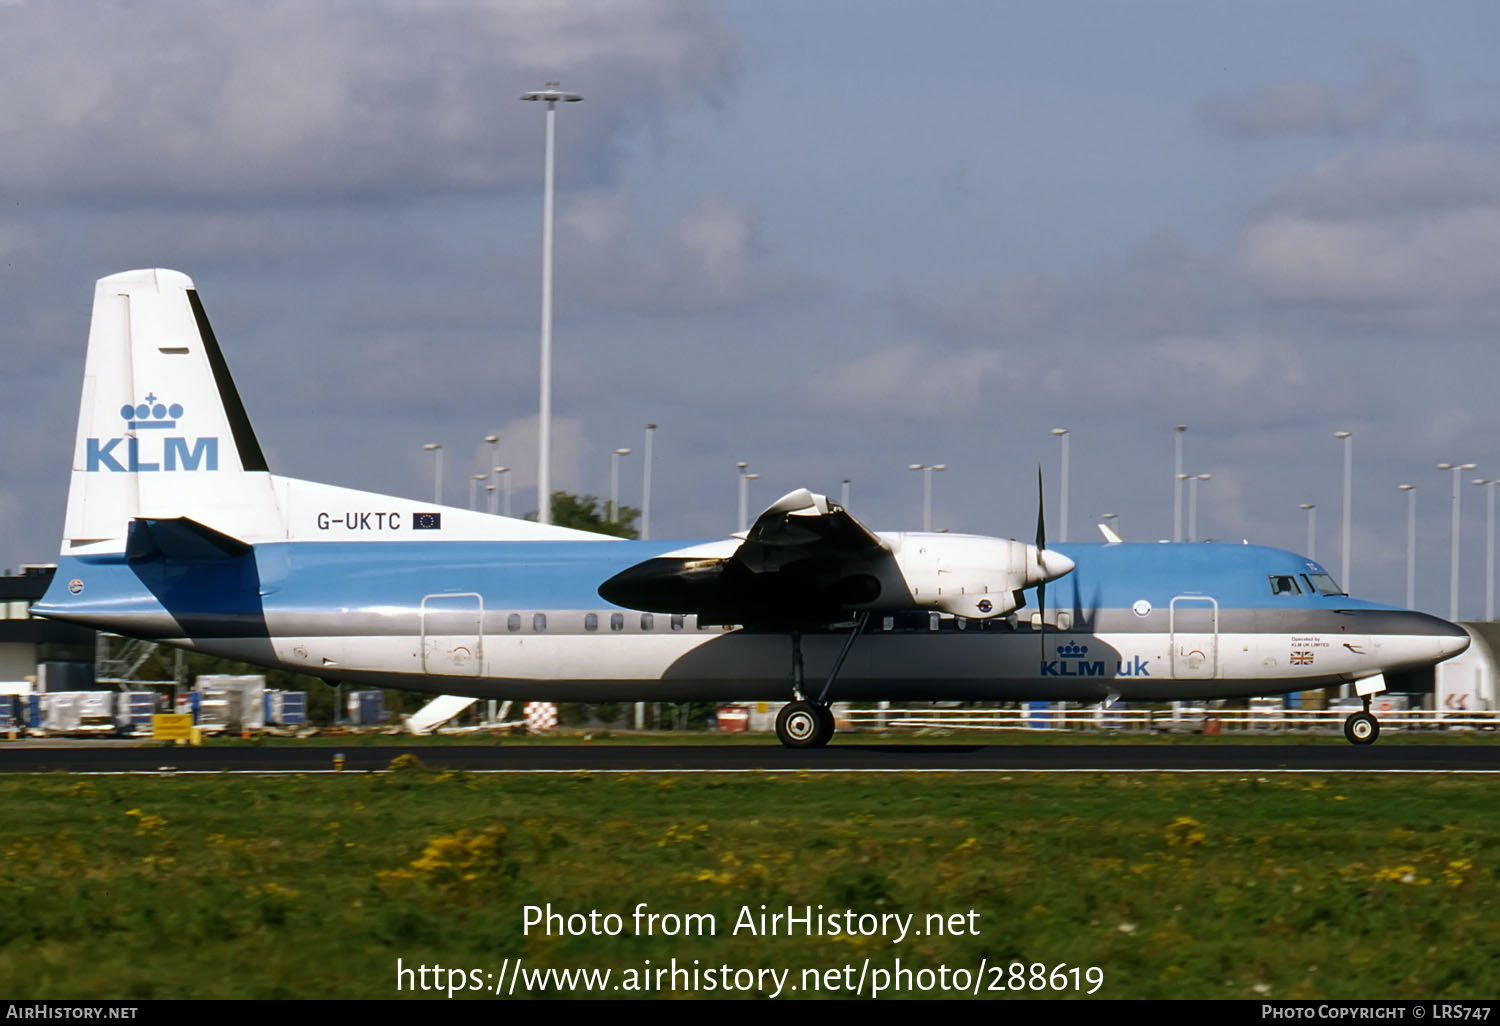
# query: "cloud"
1406,235
1427,174
1426,263
708,258
226,102
912,381
1391,89
1231,365
1018,311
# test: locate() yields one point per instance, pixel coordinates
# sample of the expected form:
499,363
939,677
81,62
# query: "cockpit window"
1325,584
1285,584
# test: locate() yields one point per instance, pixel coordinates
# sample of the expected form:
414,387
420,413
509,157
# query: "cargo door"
451,642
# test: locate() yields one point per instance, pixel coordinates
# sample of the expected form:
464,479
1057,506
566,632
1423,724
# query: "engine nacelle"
973,575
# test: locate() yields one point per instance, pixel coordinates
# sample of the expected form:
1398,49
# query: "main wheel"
1361,728
826,725
803,725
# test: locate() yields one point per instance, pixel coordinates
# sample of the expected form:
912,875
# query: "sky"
827,239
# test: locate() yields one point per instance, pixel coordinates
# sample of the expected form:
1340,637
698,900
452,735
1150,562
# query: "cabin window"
1284,584
677,621
887,623
591,621
513,622
538,621
617,621
1064,621
648,622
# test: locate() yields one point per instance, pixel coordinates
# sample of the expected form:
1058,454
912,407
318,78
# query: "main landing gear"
804,722
1361,728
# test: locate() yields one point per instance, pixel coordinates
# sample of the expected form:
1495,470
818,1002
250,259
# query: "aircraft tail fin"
166,462
162,432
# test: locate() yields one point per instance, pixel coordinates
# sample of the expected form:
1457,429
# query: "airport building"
33,649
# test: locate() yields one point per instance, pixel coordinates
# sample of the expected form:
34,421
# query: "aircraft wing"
807,531
804,561
807,562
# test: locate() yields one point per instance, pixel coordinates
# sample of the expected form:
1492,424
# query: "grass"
1201,887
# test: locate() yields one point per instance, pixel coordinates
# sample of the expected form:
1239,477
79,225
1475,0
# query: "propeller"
1041,546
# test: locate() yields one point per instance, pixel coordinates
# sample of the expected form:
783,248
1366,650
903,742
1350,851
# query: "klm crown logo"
1072,651
150,414
124,455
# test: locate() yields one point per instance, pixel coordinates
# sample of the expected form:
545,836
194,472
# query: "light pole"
551,96
437,471
494,442
646,484
1193,480
844,493
927,470
503,473
744,500
1177,478
1411,544
1062,435
1489,550
1457,468
614,483
1348,438
490,498
474,489
1312,529
745,480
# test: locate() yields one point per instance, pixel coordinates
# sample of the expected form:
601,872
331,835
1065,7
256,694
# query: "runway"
33,757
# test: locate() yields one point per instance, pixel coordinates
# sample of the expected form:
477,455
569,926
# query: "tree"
583,513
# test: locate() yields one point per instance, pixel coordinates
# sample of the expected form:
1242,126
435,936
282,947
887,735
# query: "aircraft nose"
1440,638
1055,564
1453,642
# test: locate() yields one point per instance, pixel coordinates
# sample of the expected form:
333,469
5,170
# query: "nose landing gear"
1362,728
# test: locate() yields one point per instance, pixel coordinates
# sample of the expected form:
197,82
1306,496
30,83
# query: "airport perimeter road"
25,757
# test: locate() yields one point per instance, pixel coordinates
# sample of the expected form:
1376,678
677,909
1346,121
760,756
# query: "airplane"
176,531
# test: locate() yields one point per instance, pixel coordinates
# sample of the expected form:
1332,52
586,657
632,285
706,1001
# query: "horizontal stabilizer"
179,540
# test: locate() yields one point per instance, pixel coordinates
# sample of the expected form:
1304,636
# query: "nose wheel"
1361,728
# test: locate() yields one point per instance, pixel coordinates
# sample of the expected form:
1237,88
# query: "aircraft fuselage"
523,620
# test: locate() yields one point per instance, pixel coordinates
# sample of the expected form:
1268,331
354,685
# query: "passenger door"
1194,624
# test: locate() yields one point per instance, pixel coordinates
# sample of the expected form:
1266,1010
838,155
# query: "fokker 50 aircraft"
178,532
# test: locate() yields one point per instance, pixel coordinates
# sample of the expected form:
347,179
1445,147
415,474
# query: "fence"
1182,719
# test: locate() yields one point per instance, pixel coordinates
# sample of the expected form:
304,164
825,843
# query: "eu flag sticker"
426,521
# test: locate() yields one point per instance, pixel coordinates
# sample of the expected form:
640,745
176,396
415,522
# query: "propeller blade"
1041,520
1041,546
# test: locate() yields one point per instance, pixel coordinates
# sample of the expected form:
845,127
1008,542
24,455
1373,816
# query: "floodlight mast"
551,95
